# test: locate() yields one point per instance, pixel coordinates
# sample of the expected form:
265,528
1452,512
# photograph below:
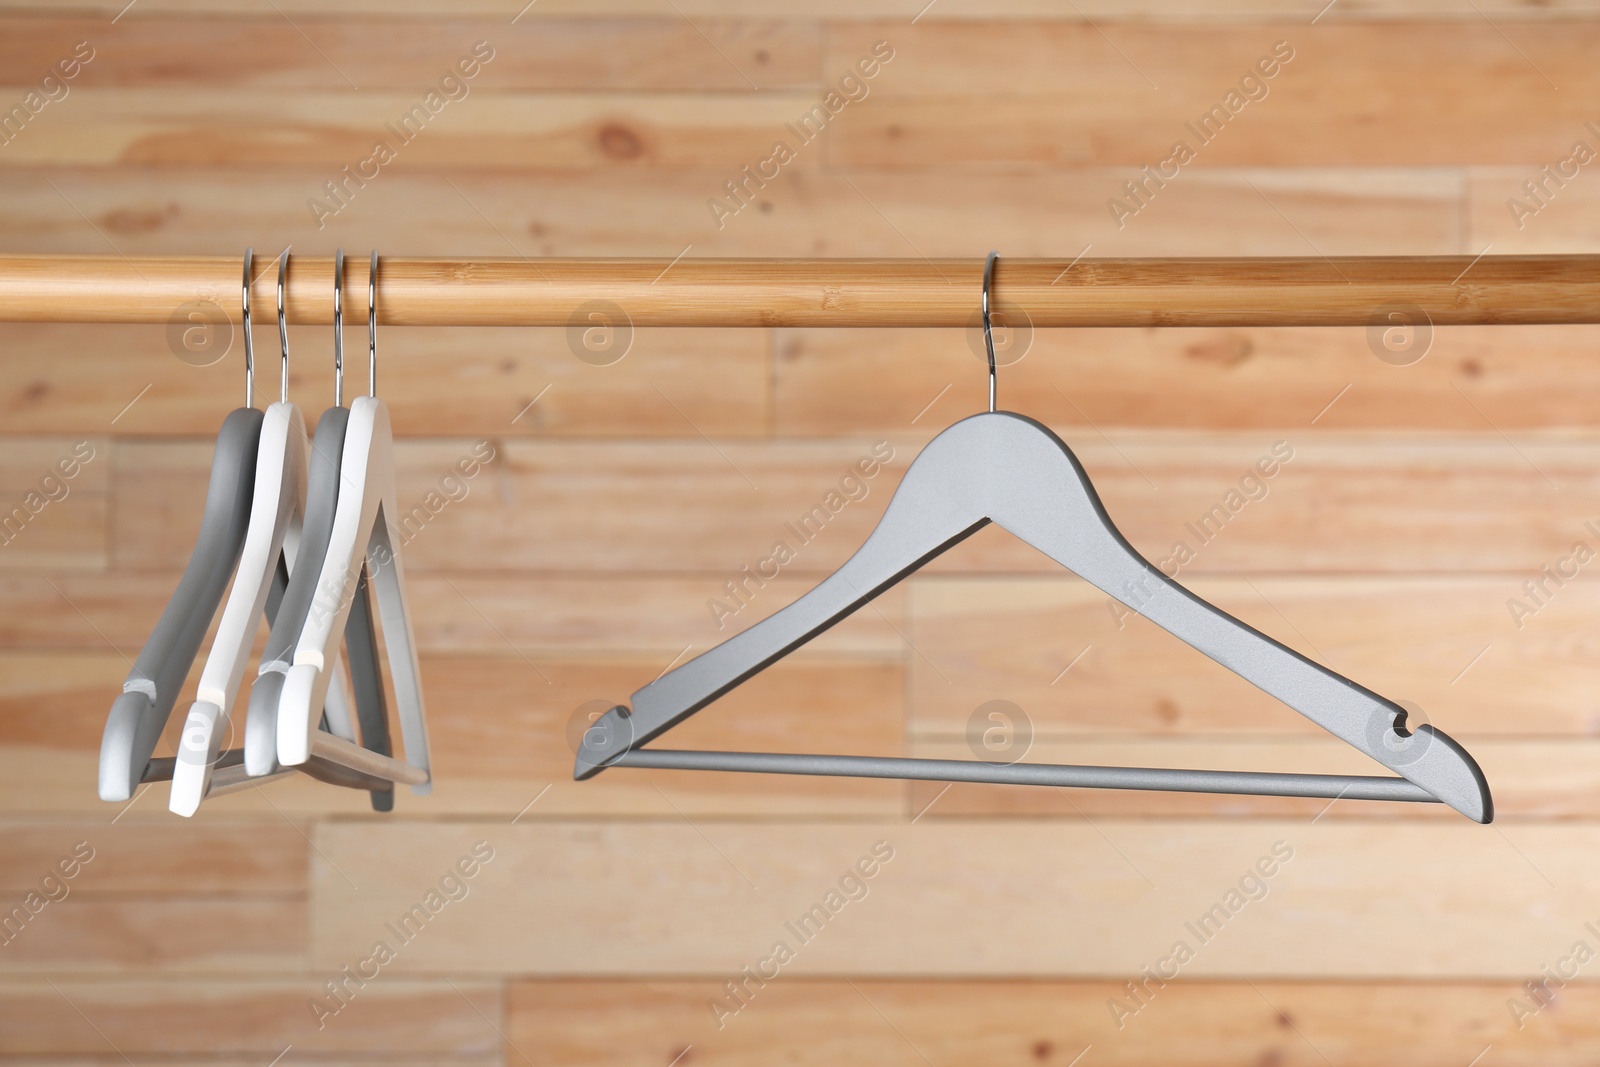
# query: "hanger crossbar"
1248,783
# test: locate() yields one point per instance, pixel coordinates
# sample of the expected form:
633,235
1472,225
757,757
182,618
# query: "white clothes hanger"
361,542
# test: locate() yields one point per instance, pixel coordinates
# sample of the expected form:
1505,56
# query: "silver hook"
249,348
988,330
283,322
372,327
338,328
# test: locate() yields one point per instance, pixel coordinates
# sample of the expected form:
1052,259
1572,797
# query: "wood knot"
619,142
1228,350
129,220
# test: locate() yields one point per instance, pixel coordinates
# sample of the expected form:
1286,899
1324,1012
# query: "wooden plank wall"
636,918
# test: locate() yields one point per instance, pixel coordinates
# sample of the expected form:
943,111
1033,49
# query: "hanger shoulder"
1040,493
934,508
366,483
380,560
334,589
275,505
324,465
355,511
140,713
1377,726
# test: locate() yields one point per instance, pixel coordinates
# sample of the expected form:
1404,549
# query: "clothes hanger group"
279,535
1003,468
309,549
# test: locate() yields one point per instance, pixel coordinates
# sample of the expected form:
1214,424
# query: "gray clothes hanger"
1007,469
360,633
372,710
140,713
322,488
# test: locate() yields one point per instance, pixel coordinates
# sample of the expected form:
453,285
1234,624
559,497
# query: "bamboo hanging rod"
1311,291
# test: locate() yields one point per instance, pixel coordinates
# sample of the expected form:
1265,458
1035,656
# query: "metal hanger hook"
372,327
338,328
283,321
249,349
988,329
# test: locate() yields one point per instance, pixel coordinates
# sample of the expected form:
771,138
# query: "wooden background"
580,563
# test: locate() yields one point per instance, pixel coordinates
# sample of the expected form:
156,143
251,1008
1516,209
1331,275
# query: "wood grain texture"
1556,213
333,128
239,937
492,383
1191,1022
415,53
216,860
179,1019
1027,212
1461,379
54,507
1074,95
1106,899
1516,378
1025,11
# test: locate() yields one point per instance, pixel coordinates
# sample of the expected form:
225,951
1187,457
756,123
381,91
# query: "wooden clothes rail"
1310,291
